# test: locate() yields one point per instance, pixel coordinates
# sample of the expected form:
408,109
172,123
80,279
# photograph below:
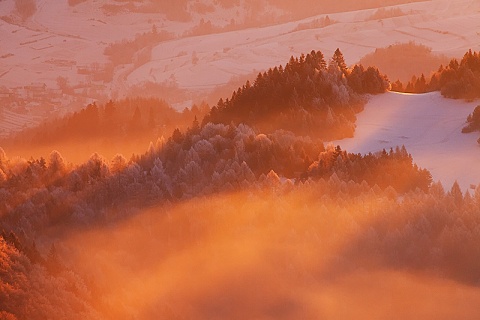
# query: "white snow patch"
430,128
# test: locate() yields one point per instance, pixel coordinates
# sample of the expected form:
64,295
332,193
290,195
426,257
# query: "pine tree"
177,136
340,61
456,194
195,126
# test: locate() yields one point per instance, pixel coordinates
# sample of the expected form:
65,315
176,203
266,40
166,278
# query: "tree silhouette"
340,60
299,97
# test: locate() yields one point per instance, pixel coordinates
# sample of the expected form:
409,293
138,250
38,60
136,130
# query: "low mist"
262,255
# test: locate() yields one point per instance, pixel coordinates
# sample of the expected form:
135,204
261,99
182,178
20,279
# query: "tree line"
457,80
307,96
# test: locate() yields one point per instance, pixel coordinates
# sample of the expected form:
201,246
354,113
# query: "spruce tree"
340,60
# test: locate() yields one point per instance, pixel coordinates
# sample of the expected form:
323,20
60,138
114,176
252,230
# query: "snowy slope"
58,32
448,27
80,34
430,128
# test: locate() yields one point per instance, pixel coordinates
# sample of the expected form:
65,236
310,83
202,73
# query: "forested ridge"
213,159
307,96
457,80
207,220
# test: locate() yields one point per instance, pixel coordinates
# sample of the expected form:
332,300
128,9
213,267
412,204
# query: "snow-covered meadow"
80,34
430,128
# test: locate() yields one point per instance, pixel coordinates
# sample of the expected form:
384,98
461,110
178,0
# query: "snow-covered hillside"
40,49
446,27
430,128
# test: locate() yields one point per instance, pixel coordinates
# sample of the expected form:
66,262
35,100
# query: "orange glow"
239,159
259,256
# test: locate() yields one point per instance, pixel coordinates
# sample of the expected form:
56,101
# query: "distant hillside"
307,96
305,8
457,80
125,126
403,60
254,12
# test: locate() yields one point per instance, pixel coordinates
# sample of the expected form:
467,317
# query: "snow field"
446,28
430,128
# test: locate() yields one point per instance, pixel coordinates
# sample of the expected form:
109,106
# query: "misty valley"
311,188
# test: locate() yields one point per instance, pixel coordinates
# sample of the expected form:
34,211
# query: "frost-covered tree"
118,164
56,164
160,177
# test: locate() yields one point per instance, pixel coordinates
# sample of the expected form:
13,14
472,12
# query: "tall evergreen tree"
340,60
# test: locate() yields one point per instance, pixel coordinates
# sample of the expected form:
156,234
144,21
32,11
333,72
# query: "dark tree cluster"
386,13
367,81
473,122
394,168
307,96
458,80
